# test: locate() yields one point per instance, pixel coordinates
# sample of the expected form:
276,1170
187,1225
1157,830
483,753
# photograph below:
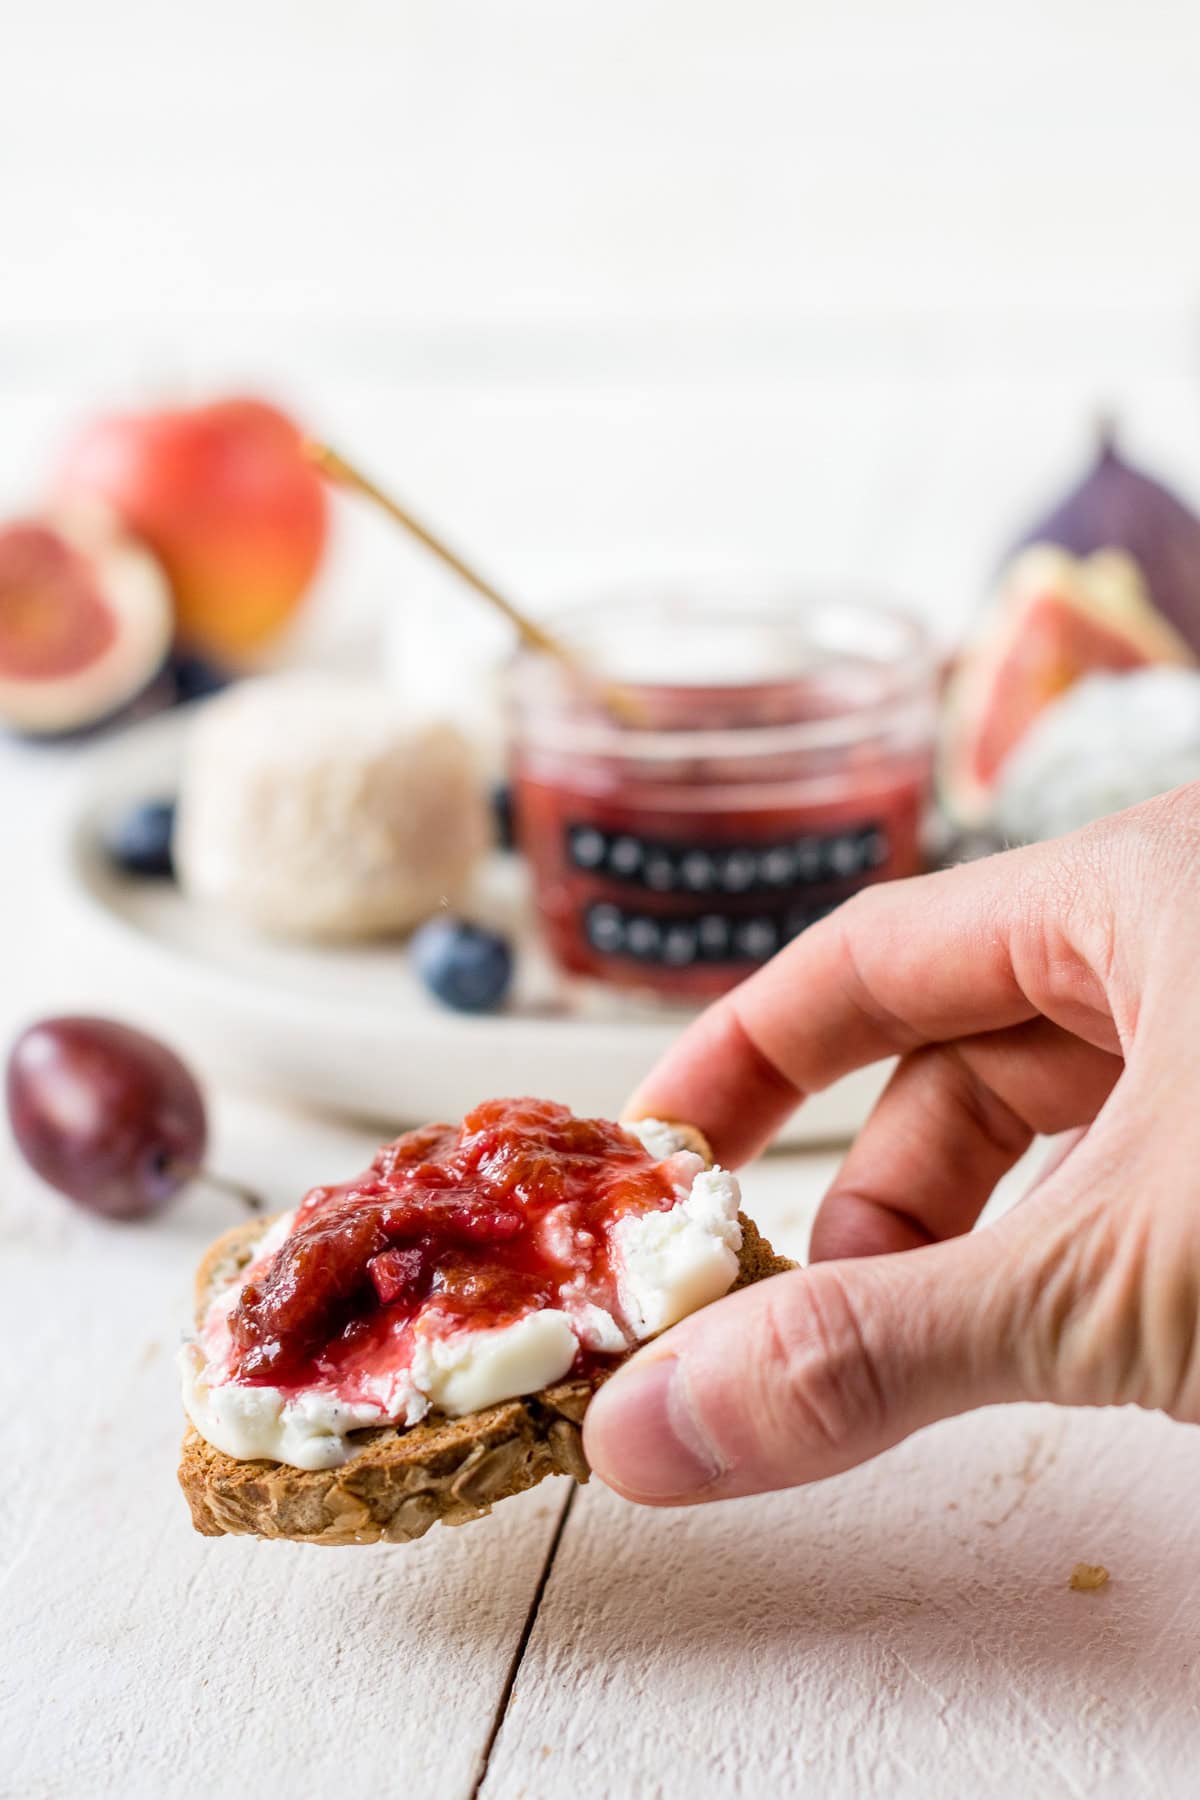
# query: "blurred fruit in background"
85,622
1107,582
503,817
139,840
107,1115
466,966
1111,742
1058,618
223,495
1119,507
194,677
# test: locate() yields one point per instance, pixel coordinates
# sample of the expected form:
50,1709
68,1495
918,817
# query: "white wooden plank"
142,1660
905,1630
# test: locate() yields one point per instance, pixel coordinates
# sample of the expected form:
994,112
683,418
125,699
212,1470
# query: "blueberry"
195,678
502,816
466,966
139,839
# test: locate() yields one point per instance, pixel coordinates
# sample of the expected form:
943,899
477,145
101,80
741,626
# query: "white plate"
351,1029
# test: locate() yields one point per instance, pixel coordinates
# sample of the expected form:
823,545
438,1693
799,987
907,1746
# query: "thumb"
806,1374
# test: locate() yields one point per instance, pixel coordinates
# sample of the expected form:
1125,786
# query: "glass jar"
760,764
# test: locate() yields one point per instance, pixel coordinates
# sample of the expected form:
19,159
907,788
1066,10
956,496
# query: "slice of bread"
400,1482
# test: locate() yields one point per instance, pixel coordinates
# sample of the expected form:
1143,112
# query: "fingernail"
646,1438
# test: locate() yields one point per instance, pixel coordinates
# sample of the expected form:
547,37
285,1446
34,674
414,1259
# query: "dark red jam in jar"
768,763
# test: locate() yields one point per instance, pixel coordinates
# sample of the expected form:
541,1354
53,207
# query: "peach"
225,498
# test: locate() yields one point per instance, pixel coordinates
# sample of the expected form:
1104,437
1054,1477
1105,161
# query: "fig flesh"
1058,618
85,624
1118,507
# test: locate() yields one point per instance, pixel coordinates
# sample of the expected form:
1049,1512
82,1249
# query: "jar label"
627,859
676,942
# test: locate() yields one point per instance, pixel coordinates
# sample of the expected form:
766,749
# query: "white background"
832,287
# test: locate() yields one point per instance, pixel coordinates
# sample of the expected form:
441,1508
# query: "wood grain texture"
137,1659
906,1630
142,1660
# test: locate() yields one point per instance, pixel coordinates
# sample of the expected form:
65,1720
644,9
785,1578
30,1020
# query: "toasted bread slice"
399,1482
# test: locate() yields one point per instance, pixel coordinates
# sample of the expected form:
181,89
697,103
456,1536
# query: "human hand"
1046,990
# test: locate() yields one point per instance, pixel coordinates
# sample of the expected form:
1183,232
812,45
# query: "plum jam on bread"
443,1319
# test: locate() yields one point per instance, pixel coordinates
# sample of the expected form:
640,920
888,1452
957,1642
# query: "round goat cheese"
311,808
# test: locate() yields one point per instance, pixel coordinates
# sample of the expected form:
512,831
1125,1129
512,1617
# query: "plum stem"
222,1184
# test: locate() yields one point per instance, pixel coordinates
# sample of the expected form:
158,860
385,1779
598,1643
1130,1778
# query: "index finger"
906,963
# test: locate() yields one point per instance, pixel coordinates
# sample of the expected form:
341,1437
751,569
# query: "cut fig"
1112,742
85,624
1057,619
1118,507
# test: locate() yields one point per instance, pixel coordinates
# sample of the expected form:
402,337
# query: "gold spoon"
335,468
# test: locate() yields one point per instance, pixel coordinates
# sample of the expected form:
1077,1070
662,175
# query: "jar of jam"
723,775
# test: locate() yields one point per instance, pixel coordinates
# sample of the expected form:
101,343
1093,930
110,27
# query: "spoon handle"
335,466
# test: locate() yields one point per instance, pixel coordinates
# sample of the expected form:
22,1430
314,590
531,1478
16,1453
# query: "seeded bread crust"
400,1482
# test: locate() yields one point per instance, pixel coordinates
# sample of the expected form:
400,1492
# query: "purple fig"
1058,617
1118,507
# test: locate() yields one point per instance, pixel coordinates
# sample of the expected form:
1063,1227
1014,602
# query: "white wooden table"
904,1630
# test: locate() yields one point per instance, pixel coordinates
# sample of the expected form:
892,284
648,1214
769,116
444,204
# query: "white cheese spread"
667,1264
